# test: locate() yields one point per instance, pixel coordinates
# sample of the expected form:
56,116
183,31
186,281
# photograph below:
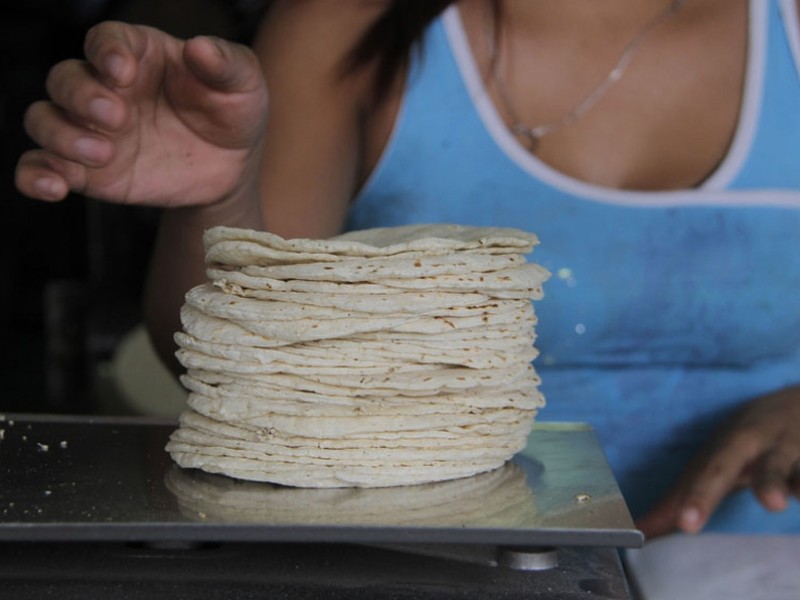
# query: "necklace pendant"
531,136
527,136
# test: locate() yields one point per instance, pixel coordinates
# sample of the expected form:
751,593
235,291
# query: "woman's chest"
667,123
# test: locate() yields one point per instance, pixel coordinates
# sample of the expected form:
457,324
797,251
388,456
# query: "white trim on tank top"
711,191
791,20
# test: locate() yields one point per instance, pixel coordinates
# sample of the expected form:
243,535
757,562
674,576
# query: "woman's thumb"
222,65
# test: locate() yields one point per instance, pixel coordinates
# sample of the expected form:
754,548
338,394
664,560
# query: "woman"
645,142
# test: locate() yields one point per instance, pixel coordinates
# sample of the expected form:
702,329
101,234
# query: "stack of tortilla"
381,357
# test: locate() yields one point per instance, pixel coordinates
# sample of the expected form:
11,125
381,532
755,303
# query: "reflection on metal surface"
499,498
110,479
528,558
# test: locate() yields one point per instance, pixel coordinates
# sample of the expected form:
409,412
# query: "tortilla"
387,241
387,357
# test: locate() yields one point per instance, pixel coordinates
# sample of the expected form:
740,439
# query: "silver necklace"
532,135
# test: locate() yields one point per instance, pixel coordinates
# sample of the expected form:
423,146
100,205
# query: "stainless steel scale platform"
91,506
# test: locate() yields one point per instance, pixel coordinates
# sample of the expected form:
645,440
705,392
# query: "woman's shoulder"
315,128
318,28
309,42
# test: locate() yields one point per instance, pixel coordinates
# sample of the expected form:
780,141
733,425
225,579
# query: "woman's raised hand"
146,119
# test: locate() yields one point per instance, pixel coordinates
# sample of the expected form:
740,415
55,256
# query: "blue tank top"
666,310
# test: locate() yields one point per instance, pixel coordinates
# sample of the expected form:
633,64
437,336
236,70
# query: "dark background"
72,272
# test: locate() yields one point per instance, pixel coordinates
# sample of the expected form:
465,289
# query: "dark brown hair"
392,39
397,34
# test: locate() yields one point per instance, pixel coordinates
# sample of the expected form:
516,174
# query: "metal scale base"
93,505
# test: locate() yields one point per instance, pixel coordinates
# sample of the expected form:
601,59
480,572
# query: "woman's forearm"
178,264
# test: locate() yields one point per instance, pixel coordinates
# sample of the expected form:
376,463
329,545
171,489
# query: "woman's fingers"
53,130
114,50
48,177
74,87
794,480
718,475
773,475
759,448
71,128
663,518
